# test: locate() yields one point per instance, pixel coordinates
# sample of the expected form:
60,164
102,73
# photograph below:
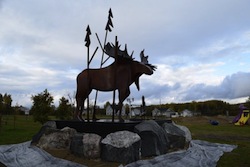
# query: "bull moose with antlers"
118,76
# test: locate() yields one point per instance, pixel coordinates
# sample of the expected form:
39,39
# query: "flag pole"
87,40
107,28
116,56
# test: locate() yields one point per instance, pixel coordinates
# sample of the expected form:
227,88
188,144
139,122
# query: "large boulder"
55,138
121,146
91,145
154,140
76,145
175,135
51,124
47,125
187,132
86,145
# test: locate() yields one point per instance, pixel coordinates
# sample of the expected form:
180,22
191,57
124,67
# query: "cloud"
198,46
232,87
1,3
184,27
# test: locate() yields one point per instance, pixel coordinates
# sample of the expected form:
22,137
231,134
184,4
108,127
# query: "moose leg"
123,94
82,109
94,114
120,110
79,109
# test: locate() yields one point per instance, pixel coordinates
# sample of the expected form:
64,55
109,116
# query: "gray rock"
121,146
91,145
187,132
154,139
76,145
56,139
86,145
51,124
175,135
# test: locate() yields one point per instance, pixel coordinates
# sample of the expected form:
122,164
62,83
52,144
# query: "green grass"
17,129
225,133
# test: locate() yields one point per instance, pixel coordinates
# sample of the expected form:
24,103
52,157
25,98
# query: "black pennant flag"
87,37
109,23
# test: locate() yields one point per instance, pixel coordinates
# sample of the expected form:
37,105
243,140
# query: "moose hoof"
80,118
95,119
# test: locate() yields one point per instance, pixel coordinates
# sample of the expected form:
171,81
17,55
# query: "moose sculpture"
118,76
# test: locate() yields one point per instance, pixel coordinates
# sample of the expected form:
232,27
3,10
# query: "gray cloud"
233,86
1,3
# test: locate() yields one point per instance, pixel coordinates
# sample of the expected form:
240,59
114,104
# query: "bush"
64,110
42,106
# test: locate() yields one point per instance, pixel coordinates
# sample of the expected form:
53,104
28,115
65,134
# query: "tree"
42,106
248,102
1,109
1,103
7,100
127,109
64,110
106,104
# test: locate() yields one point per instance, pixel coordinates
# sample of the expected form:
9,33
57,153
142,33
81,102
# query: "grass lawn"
17,129
225,133
23,128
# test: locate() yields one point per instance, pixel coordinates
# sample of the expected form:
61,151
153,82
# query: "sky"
201,48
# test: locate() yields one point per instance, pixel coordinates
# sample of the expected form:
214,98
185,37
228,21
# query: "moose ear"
137,83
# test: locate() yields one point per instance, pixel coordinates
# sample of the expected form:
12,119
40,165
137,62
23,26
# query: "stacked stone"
148,139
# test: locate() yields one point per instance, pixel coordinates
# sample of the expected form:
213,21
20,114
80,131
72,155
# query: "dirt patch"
65,154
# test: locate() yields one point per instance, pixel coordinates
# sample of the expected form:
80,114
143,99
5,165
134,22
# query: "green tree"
1,109
42,106
64,110
7,100
248,102
1,103
127,109
106,104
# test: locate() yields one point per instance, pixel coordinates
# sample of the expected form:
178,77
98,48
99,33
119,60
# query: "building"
187,113
25,110
164,112
135,112
109,111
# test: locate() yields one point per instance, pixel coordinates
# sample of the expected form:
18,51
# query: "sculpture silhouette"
118,76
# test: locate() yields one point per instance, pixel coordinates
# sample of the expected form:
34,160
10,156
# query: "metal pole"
116,52
107,28
88,77
96,93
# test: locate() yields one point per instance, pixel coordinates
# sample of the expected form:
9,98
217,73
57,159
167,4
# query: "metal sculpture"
118,76
123,72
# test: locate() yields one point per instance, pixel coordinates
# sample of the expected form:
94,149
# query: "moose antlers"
144,60
110,50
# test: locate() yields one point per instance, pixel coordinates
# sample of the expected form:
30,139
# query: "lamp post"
130,100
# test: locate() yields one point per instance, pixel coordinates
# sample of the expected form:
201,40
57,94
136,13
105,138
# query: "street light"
130,100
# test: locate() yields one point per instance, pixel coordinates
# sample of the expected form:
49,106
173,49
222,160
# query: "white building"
164,112
187,113
109,111
25,110
135,112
